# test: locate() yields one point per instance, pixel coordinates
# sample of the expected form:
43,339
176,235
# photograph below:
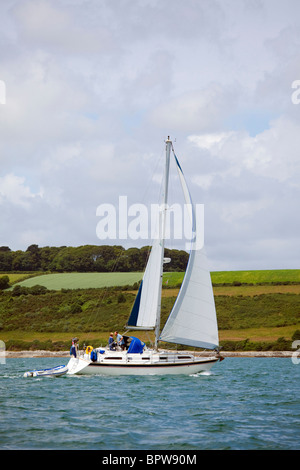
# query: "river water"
242,404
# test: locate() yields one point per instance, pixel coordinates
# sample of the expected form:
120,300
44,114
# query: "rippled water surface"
243,403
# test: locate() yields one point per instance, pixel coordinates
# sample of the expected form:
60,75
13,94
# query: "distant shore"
41,353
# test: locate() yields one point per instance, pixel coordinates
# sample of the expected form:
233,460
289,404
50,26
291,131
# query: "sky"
90,90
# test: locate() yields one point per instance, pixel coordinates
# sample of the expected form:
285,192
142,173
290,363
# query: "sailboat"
192,321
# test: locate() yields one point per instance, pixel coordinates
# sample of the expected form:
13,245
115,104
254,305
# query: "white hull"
149,363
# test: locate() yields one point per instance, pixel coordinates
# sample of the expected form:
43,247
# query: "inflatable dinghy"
54,372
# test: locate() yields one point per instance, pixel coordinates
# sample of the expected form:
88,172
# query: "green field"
82,280
19,277
171,279
257,277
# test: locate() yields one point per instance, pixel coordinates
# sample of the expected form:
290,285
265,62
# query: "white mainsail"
193,320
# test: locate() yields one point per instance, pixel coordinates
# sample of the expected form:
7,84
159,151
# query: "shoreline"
42,353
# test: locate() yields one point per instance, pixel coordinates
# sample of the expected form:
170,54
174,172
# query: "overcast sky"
90,89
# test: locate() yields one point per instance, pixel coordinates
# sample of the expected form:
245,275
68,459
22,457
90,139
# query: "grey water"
241,404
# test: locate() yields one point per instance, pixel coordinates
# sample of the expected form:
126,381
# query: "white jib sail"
150,289
193,320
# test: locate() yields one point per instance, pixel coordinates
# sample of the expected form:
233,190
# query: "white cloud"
210,141
56,27
253,195
196,110
274,153
13,190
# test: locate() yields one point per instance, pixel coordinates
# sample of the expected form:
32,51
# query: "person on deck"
74,347
111,343
119,339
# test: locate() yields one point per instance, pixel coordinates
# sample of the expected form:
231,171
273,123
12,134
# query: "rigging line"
158,199
105,290
153,172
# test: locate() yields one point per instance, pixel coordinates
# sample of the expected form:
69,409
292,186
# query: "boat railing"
152,357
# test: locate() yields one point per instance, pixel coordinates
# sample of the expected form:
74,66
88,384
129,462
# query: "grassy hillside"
42,319
253,311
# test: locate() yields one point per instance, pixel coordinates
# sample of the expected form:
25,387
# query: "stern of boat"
76,365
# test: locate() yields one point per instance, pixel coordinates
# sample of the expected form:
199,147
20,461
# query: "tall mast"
162,231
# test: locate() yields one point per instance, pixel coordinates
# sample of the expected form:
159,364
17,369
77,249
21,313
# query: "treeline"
87,258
